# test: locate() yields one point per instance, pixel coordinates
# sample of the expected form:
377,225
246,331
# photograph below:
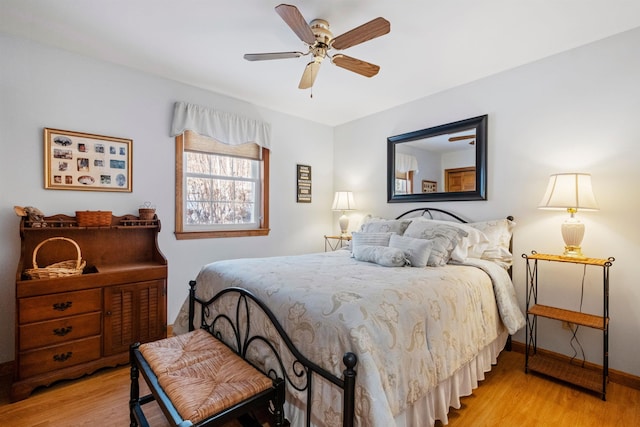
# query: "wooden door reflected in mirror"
460,179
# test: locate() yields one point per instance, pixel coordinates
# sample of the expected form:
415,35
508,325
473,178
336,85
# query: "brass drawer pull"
62,357
62,331
62,306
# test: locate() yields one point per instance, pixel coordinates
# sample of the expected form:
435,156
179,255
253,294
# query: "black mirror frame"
480,124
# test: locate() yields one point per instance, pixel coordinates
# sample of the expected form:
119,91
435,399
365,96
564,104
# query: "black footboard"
234,329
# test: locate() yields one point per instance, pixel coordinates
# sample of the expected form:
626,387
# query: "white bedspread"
411,328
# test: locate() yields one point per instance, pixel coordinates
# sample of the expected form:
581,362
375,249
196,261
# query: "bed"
423,335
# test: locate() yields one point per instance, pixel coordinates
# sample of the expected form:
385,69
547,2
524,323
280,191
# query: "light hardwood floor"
507,397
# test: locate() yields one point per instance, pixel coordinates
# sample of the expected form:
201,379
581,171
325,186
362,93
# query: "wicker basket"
93,218
58,269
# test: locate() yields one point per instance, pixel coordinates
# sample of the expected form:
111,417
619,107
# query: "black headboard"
429,212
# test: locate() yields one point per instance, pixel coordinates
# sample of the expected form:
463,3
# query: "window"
221,190
404,182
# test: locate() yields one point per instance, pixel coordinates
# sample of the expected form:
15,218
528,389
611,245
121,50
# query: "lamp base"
344,224
573,252
572,234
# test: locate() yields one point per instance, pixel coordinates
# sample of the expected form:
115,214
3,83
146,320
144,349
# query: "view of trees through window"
220,189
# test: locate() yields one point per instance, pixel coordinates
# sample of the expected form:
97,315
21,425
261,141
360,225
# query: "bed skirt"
435,405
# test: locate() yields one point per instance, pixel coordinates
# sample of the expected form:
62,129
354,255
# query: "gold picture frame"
83,161
429,186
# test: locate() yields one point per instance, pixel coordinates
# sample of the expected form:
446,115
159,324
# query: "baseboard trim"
615,376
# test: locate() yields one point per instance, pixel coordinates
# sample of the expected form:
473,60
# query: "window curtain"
224,127
406,163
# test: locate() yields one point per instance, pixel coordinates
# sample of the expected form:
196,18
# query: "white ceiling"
433,44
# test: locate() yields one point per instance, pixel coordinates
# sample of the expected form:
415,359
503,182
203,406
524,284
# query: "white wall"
577,111
42,87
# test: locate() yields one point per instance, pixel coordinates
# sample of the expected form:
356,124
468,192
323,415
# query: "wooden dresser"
70,326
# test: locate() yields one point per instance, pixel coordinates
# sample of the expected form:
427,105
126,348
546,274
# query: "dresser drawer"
55,306
41,334
58,357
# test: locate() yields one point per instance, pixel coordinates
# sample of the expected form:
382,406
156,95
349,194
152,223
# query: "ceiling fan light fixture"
319,53
319,39
320,29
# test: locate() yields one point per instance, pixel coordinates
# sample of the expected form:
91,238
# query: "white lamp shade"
343,201
569,190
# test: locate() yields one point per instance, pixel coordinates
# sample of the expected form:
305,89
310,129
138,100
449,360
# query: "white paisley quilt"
411,328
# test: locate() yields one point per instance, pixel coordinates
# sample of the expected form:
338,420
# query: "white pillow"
359,238
499,233
381,255
381,225
470,246
445,238
416,251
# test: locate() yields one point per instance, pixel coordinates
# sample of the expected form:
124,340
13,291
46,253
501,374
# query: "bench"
198,381
207,377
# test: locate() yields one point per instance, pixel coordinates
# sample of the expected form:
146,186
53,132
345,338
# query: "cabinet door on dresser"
134,312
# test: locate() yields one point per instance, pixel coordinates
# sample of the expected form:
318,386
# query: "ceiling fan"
463,137
319,39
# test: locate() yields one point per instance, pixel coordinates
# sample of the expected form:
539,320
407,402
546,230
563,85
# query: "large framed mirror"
441,163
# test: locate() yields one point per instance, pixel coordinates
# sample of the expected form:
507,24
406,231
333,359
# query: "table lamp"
570,191
343,201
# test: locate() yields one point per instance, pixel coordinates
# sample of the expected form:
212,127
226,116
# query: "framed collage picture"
82,161
429,186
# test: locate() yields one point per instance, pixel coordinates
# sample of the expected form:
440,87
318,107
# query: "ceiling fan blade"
357,66
461,137
372,29
294,19
309,75
274,55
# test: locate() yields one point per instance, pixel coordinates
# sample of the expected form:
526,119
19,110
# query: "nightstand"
332,243
589,379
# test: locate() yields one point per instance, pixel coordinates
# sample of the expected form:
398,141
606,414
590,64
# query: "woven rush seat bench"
198,380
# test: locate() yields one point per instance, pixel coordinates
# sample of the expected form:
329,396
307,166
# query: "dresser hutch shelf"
554,367
67,327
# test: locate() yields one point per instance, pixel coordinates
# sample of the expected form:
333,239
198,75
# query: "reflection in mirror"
442,163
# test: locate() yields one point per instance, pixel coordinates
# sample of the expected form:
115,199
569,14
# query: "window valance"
406,163
225,127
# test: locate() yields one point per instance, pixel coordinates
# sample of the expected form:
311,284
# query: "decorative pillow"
369,239
381,225
381,255
470,246
416,251
499,233
445,238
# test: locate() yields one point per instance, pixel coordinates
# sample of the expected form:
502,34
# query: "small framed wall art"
82,161
429,186
304,183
